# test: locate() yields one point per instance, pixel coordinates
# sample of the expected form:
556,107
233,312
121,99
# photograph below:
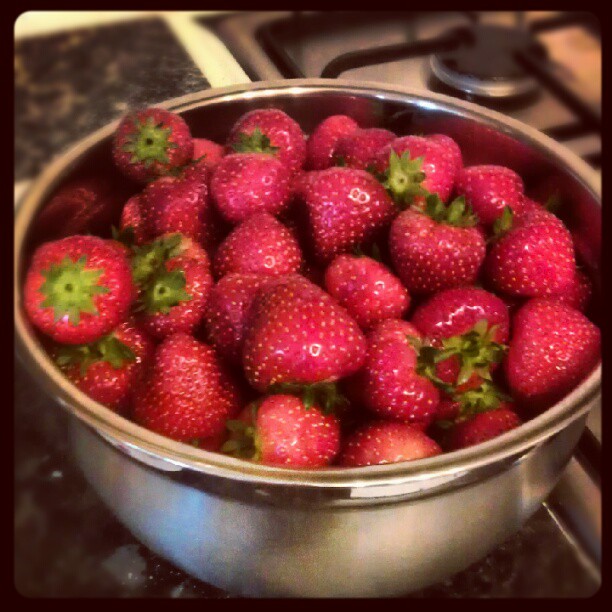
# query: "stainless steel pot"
377,531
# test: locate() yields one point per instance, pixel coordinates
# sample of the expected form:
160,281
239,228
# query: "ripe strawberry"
322,142
359,148
78,289
247,183
151,142
489,189
280,130
86,205
451,146
389,384
480,428
207,153
553,347
283,431
346,207
299,334
173,275
227,309
578,294
414,166
132,224
176,204
437,248
262,245
381,442
185,394
108,369
534,258
367,289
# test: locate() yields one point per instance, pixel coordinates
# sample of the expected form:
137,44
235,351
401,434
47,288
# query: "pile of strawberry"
351,298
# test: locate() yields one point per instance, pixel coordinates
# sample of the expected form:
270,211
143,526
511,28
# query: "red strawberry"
262,245
207,153
346,207
416,165
227,309
322,142
78,289
108,369
132,222
489,189
299,334
535,258
367,289
451,146
553,347
177,204
283,431
578,294
247,183
280,130
87,205
389,383
438,248
381,442
151,142
173,275
359,148
185,395
480,428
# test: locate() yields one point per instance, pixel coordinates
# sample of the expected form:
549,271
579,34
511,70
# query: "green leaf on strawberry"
255,142
166,290
403,178
149,142
458,213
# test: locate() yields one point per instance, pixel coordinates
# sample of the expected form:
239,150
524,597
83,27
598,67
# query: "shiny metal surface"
379,530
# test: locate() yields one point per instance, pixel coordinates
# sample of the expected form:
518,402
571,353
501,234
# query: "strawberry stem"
458,213
255,142
149,142
324,395
403,178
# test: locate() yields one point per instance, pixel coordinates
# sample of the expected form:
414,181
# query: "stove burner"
483,63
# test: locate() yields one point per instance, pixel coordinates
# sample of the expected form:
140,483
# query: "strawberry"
578,294
359,148
489,189
185,394
414,166
151,142
437,248
280,131
299,334
480,428
108,369
173,276
367,289
534,258
207,153
322,142
380,442
132,222
243,184
227,309
262,245
451,146
283,431
78,289
177,204
389,383
346,207
552,348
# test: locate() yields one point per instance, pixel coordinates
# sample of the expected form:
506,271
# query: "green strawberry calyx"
403,177
476,350
244,442
503,224
149,142
108,349
324,395
70,288
255,142
458,213
160,289
484,398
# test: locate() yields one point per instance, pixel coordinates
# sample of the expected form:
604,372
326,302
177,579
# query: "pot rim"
128,435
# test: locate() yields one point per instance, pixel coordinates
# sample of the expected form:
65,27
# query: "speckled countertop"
67,542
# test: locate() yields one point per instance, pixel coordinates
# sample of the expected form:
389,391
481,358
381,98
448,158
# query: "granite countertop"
67,542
